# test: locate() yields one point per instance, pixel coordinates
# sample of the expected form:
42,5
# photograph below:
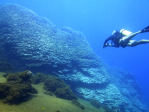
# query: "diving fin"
145,29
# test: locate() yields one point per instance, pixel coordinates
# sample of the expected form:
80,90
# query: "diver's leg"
129,37
135,43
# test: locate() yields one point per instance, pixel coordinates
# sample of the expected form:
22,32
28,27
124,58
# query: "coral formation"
17,87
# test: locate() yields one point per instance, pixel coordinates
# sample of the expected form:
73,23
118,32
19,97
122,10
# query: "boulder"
17,87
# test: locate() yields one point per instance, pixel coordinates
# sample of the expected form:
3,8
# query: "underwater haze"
97,19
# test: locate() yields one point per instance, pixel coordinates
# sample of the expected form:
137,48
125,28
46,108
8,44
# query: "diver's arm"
105,43
111,45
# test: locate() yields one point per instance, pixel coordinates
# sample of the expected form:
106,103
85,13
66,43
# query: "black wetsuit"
114,39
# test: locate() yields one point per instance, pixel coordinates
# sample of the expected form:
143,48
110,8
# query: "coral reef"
17,87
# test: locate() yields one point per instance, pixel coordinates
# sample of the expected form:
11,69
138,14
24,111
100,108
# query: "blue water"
97,19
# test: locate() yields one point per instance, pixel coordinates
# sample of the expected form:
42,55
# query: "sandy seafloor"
37,102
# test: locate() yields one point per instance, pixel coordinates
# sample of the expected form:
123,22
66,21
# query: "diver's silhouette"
123,38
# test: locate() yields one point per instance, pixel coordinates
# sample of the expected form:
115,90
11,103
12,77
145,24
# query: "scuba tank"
125,32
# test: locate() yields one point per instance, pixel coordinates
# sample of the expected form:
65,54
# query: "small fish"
42,107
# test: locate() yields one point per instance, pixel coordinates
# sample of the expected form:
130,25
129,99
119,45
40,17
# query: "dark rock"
53,83
95,103
4,90
76,102
59,88
13,77
14,92
5,75
48,93
38,77
18,77
65,93
17,87
57,111
33,90
25,75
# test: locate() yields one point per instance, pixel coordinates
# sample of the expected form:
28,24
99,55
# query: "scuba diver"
123,38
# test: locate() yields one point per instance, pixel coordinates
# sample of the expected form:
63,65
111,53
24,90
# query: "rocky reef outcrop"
28,41
17,87
59,88
56,86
